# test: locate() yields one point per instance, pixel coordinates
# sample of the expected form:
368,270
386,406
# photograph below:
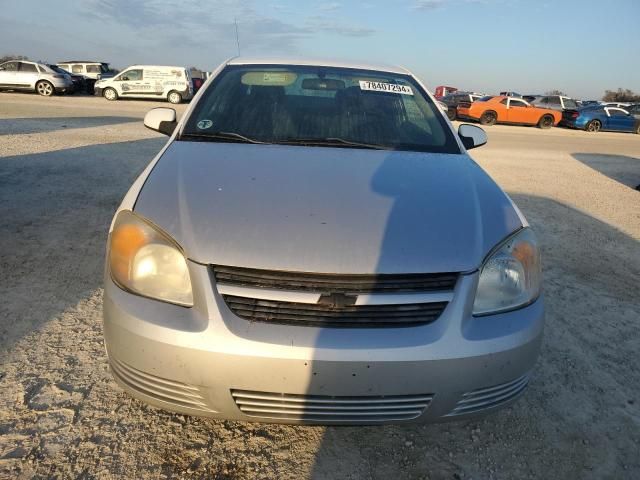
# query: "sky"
581,47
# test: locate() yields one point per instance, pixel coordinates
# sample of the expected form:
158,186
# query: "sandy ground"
65,163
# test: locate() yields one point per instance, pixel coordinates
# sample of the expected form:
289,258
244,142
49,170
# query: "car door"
93,71
8,71
619,120
518,111
130,82
27,75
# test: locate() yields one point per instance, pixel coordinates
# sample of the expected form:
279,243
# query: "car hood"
318,209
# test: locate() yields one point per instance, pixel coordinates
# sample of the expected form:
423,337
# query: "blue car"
602,118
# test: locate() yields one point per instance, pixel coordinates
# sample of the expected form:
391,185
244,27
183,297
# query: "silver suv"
23,75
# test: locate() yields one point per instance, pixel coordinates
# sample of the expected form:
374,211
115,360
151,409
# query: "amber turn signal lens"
146,261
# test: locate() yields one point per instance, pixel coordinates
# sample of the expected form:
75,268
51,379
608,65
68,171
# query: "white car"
555,102
148,81
88,69
31,76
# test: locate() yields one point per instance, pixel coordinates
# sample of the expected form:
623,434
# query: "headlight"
146,261
510,277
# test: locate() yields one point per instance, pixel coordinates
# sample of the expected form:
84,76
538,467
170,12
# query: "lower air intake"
327,409
168,391
490,397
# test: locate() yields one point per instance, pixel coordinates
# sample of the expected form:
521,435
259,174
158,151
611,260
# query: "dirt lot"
65,163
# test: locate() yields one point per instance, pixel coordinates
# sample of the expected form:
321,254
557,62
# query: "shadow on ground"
17,126
579,417
621,168
55,210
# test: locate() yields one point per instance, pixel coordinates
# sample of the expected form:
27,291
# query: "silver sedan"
314,245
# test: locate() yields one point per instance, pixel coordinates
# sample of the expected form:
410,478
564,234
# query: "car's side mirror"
472,136
161,120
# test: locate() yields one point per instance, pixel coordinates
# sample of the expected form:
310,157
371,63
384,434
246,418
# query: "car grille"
490,397
338,294
317,408
288,313
334,283
168,391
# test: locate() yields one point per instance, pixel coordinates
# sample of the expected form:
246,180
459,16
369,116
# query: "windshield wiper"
228,136
333,141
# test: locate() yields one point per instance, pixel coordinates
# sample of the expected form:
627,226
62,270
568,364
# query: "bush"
621,95
6,58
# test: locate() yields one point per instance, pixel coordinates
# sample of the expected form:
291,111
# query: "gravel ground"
65,163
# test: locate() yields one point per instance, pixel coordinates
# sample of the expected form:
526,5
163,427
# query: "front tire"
452,113
546,121
488,118
174,97
44,88
594,126
110,94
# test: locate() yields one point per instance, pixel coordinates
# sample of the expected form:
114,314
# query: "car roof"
23,61
320,62
81,61
154,66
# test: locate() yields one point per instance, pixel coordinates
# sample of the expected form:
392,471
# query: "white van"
148,81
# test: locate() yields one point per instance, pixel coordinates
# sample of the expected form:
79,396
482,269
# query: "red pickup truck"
442,90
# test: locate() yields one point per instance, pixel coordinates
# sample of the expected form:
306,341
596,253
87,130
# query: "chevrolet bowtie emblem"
337,300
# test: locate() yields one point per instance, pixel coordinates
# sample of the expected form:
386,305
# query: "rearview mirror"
472,136
161,120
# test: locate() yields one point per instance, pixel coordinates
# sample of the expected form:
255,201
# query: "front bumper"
206,361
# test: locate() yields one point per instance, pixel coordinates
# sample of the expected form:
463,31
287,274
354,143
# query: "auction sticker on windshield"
385,87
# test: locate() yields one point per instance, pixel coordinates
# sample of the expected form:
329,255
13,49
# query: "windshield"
319,106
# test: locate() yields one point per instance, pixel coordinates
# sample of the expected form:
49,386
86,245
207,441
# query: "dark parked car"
602,118
454,99
634,110
555,102
78,80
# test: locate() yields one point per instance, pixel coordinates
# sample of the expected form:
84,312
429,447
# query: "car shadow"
579,388
18,126
55,209
621,168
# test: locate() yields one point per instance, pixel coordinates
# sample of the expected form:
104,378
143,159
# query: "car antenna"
237,37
